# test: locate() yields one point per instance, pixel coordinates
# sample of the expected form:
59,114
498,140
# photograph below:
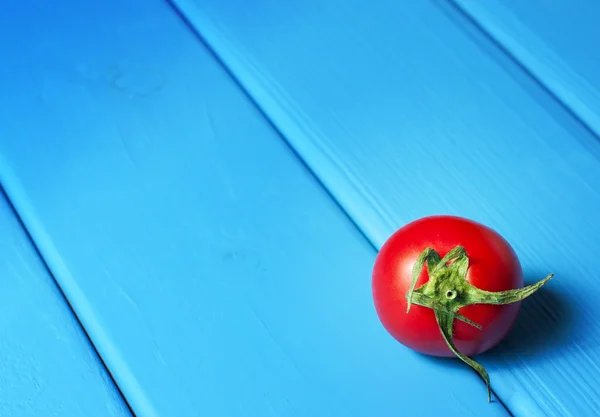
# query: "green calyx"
448,290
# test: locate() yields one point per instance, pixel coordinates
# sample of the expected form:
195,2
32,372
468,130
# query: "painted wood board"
557,41
408,109
49,367
213,272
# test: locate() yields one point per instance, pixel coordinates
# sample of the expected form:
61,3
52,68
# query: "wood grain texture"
407,109
213,272
556,41
48,366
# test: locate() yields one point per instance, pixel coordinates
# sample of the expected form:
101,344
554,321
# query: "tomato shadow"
545,324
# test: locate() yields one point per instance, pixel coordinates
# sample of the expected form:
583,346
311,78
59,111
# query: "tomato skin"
494,266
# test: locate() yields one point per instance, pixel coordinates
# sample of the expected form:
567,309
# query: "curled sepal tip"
433,259
445,322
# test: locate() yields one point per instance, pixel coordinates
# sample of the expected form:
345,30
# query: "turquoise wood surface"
48,366
214,274
210,197
556,41
405,109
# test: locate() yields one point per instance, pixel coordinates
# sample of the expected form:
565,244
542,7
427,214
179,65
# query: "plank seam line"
283,137
269,120
454,4
5,194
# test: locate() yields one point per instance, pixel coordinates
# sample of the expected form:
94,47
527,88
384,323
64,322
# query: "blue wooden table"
193,195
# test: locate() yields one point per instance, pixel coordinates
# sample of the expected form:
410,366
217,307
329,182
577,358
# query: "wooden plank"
49,368
213,272
557,41
405,110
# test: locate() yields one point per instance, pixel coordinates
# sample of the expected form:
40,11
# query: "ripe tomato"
463,281
493,266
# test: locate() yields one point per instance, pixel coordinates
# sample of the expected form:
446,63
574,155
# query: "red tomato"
493,266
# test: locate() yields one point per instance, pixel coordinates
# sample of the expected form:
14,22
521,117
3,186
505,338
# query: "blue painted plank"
557,41
213,272
405,110
49,368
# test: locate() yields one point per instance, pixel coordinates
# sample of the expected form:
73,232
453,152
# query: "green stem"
448,290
